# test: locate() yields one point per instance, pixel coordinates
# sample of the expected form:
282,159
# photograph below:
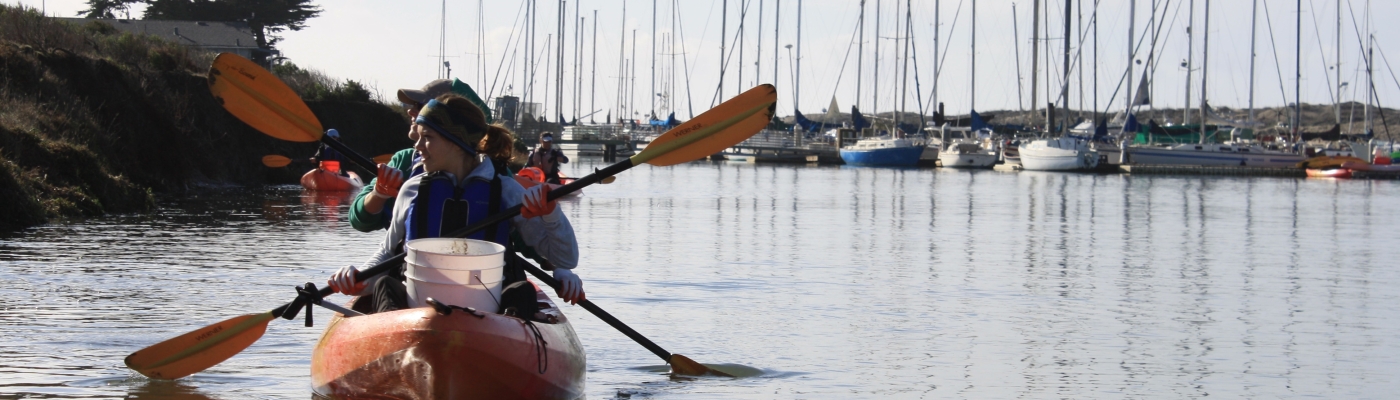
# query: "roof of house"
211,34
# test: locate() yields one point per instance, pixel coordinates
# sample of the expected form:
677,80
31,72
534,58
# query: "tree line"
265,18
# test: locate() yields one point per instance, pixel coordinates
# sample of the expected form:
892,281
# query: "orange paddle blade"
383,158
276,161
682,365
713,131
260,100
200,349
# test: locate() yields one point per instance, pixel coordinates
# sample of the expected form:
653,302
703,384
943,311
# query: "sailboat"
1065,153
964,148
1204,152
891,149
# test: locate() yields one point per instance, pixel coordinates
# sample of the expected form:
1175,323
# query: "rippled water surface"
834,282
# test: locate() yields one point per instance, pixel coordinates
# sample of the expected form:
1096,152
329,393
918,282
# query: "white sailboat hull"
974,160
1058,155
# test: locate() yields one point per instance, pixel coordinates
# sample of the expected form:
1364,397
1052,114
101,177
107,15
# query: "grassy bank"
93,121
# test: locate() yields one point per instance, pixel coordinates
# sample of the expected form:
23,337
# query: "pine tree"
265,18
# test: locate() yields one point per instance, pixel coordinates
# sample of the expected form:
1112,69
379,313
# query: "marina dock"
1211,170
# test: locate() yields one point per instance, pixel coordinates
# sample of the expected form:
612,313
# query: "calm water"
836,282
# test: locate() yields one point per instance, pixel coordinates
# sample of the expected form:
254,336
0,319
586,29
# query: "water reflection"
833,282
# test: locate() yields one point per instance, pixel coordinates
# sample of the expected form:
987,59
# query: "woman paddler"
462,184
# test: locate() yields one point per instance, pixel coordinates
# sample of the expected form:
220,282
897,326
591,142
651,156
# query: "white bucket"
459,272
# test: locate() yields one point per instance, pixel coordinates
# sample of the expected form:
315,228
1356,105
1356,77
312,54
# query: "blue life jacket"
441,208
416,166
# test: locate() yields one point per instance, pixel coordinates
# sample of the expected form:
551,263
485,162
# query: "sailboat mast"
1064,91
1132,17
758,51
937,6
622,64
1253,20
577,99
632,93
1190,42
1035,51
1150,69
860,53
1205,67
1297,68
442,41
777,19
1337,106
1079,56
653,92
1367,59
1016,47
875,83
723,30
559,74
593,84
908,37
481,43
972,101
797,88
739,67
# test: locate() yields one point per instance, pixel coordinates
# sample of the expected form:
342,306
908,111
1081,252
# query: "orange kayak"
1329,173
420,354
322,180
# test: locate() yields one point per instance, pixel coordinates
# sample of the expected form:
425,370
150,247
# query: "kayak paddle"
276,161
279,161
265,103
723,126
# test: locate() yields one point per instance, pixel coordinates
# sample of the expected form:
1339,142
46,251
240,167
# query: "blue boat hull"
898,156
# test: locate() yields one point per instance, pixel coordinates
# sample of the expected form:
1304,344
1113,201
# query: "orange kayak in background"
1329,173
326,181
420,354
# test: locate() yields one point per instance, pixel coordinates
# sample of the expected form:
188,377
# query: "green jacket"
365,222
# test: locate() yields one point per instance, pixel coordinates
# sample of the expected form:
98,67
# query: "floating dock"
1211,170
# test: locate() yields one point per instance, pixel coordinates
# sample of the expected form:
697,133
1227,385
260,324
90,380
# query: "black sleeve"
563,159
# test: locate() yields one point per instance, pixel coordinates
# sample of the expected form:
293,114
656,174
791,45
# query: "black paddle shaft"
597,311
395,261
354,157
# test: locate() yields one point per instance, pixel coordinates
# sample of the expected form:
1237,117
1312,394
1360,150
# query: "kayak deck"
326,181
421,354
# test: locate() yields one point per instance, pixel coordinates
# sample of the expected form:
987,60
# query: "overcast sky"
395,44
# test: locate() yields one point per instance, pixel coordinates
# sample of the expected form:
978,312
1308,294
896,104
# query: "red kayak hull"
325,181
419,354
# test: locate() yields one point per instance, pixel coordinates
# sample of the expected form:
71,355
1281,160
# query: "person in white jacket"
464,181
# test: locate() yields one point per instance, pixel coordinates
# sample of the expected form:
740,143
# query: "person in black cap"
366,212
547,158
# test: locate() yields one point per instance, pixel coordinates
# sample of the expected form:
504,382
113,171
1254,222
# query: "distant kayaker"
366,212
463,159
327,158
547,158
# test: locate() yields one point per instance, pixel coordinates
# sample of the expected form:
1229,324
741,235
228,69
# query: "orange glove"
535,204
387,183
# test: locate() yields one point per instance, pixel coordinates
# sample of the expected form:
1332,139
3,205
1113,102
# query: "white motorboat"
964,149
1058,154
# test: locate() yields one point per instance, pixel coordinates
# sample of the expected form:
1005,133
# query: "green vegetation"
93,121
315,86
